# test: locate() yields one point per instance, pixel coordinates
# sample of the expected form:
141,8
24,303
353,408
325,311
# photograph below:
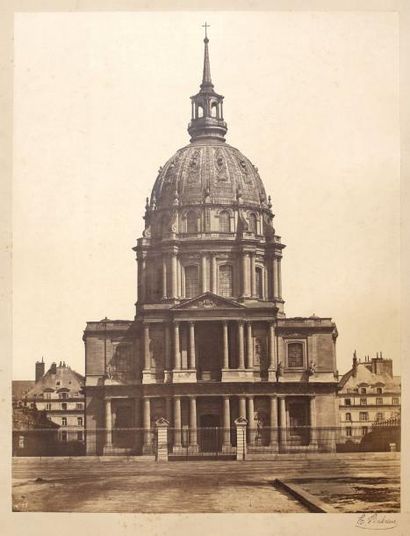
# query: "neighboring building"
59,393
368,394
34,434
210,341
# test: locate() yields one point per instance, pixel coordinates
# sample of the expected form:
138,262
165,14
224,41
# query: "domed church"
210,341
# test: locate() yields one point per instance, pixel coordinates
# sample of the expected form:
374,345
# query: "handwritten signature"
376,522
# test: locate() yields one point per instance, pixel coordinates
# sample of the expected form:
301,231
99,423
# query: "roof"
25,418
67,378
20,387
364,376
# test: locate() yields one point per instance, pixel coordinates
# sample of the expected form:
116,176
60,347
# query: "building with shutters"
210,340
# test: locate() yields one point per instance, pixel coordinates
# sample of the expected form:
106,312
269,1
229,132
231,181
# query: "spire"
207,112
206,74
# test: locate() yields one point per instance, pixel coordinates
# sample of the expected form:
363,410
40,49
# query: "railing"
210,441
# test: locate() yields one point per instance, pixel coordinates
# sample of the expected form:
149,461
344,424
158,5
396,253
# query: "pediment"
208,300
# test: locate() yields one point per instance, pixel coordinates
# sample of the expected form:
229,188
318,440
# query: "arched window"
252,223
191,281
295,354
214,110
191,222
224,222
225,280
200,112
258,281
348,416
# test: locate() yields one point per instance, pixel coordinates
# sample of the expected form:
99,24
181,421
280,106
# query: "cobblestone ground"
135,485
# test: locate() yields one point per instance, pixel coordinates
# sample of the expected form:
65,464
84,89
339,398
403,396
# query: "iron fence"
211,442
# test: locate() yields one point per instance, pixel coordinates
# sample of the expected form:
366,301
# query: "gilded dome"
213,172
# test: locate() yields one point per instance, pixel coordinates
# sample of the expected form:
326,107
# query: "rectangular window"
363,401
48,406
225,280
64,421
63,395
379,401
79,421
79,405
348,416
63,436
395,401
79,436
63,405
47,395
295,355
363,390
348,402
379,416
349,432
364,430
363,416
379,390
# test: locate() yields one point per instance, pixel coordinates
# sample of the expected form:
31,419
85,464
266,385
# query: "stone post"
162,440
241,424
226,446
108,423
241,364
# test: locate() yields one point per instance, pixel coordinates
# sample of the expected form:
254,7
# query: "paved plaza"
138,485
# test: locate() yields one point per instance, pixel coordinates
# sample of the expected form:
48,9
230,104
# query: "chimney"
382,366
354,367
53,368
40,369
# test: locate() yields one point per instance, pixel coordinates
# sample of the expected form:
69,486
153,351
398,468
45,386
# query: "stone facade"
210,342
369,393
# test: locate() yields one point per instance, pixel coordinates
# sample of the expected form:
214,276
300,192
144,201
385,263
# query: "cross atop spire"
206,26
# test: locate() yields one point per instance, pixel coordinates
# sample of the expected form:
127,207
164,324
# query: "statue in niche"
312,368
220,166
279,370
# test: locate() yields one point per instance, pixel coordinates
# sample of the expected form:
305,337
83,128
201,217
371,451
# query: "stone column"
249,341
192,357
204,286
225,345
147,426
272,347
164,277
242,407
227,424
142,280
251,420
193,433
253,275
177,422
273,423
182,282
137,422
147,355
245,275
168,409
177,353
274,278
313,423
282,421
174,274
108,423
279,279
241,364
179,279
167,334
214,275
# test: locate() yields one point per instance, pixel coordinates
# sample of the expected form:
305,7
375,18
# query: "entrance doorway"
210,436
299,423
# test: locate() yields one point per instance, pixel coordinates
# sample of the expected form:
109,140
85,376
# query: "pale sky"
101,101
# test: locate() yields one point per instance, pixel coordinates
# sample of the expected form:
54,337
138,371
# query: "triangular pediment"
208,300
